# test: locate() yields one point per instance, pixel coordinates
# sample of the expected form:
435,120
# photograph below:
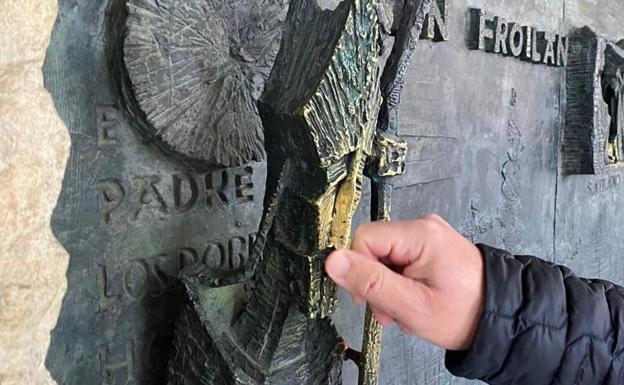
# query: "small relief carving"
389,156
594,121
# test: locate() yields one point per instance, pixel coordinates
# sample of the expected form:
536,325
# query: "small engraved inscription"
603,185
153,276
435,27
517,39
125,361
501,35
216,185
185,192
180,193
244,185
495,34
120,365
106,301
107,126
149,195
111,194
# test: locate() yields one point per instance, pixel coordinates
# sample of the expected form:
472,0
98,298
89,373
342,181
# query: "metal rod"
371,345
371,350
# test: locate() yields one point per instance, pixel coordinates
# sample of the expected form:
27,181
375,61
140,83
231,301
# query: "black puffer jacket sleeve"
542,325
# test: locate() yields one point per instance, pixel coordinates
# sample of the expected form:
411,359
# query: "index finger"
398,243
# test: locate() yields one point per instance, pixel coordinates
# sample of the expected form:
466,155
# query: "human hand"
421,274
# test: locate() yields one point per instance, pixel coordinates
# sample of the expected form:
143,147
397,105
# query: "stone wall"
34,146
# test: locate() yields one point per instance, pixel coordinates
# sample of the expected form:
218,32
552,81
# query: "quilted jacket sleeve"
542,325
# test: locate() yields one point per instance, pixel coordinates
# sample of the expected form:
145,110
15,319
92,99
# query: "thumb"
375,283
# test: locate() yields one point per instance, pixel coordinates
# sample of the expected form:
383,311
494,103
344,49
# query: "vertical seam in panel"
560,128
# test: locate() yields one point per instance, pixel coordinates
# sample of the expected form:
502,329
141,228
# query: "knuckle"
358,300
422,302
373,284
362,232
364,236
434,218
436,221
430,226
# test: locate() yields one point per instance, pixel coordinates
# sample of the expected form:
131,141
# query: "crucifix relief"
328,115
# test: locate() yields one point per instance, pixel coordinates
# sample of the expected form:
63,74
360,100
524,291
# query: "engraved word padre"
497,35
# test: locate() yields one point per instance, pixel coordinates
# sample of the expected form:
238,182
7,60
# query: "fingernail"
338,265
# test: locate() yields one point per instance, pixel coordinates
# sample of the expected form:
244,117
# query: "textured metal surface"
484,138
319,113
592,135
371,350
132,217
197,69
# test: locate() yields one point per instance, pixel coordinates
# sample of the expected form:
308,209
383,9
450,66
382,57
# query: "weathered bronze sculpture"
160,99
320,113
594,121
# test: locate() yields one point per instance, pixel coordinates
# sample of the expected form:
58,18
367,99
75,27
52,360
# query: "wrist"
477,305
